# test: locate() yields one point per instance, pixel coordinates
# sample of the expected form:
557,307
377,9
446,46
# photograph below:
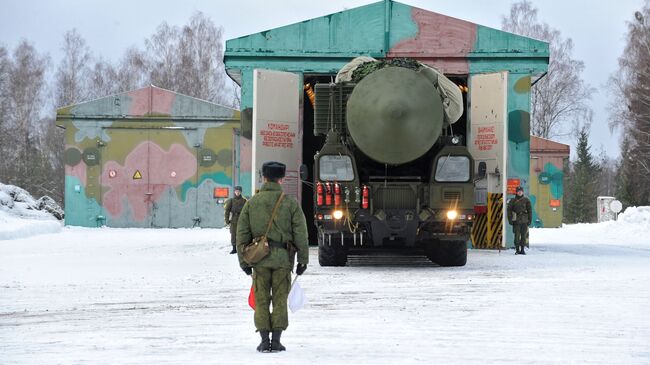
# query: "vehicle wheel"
448,253
331,255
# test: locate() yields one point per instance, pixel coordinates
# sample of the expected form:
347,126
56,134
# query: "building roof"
539,145
386,29
148,103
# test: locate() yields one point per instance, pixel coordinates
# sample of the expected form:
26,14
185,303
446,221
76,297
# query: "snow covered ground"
581,296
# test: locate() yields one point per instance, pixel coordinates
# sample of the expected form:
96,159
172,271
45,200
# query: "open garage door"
487,142
277,133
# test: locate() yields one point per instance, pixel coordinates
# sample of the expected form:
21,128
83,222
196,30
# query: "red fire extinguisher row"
328,193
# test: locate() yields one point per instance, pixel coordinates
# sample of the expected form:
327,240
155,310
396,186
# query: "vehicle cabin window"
452,169
335,168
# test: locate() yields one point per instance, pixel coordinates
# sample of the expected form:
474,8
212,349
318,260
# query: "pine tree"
581,207
552,112
625,175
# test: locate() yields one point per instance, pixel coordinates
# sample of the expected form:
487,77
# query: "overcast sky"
597,28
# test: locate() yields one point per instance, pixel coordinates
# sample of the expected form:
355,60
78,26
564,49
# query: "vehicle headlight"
337,214
452,214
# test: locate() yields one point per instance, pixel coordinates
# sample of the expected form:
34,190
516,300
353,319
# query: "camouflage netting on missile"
452,98
367,68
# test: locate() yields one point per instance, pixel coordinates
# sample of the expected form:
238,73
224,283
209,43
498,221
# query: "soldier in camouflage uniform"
272,275
519,216
232,210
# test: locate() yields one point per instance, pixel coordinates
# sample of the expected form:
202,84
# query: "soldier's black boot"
522,251
275,342
265,345
234,250
517,250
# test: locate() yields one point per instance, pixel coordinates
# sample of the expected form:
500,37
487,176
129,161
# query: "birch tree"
4,108
26,101
559,101
630,110
72,74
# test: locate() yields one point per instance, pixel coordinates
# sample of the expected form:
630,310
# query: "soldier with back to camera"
287,233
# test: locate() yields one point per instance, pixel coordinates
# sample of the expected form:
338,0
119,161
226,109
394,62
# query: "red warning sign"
512,186
277,135
486,138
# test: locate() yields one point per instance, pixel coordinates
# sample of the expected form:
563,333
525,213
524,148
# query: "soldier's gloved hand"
301,269
227,222
248,270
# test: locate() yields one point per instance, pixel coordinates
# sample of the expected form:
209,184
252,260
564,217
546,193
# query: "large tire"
331,255
448,253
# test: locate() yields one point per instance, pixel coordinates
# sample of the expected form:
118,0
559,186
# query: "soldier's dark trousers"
271,286
233,233
521,232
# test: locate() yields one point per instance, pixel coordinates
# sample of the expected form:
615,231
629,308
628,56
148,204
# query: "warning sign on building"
277,135
137,175
512,186
486,138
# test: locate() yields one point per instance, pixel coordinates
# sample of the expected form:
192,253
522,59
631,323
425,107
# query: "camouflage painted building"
547,161
497,67
149,158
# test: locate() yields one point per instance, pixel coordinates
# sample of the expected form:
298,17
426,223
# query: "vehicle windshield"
335,168
452,169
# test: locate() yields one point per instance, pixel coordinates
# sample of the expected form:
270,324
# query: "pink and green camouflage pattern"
388,29
148,158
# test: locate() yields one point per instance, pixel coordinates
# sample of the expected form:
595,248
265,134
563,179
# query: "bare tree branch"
559,99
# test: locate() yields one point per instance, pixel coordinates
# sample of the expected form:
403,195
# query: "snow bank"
12,227
22,216
635,215
630,230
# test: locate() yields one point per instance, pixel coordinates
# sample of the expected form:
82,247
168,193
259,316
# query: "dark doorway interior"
310,145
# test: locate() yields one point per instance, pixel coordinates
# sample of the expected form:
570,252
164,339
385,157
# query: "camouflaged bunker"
280,69
149,158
